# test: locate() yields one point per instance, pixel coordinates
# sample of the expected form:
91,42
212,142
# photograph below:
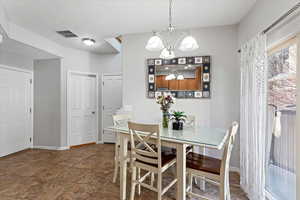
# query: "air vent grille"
67,34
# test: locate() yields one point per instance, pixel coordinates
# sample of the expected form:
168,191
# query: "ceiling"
18,48
101,19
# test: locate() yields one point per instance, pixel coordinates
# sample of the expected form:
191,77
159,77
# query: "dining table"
207,137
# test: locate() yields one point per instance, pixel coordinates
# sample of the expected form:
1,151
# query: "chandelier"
164,41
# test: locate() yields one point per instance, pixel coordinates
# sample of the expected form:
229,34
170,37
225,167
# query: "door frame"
70,72
31,73
102,95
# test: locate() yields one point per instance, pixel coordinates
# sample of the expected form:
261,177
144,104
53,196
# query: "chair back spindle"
225,166
119,120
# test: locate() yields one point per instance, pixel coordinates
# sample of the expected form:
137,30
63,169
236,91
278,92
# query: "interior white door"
82,109
15,111
112,101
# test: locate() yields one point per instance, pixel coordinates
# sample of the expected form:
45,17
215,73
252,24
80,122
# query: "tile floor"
83,173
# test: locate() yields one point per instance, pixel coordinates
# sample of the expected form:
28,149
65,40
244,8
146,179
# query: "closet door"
112,101
15,111
82,100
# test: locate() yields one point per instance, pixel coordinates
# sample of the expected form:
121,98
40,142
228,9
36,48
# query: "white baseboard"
99,142
51,148
235,169
63,148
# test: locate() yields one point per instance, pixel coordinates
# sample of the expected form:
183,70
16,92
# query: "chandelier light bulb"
167,54
155,43
189,43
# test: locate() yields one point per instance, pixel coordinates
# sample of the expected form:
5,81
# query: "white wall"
263,14
219,111
47,110
104,64
3,18
14,60
71,59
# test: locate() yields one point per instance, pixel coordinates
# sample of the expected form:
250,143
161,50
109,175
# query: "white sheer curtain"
253,117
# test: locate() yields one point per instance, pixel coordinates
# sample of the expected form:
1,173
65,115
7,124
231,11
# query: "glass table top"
202,136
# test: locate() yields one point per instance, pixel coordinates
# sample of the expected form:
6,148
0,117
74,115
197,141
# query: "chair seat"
166,157
203,163
163,149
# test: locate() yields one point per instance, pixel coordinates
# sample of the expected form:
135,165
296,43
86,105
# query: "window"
281,148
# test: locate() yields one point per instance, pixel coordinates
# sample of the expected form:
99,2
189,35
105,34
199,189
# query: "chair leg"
203,181
222,191
159,185
191,184
228,194
152,179
228,190
139,177
116,172
116,163
133,183
203,184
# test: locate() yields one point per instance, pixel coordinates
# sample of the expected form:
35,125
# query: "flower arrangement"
165,102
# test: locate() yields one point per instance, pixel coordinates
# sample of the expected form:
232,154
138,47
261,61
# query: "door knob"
93,112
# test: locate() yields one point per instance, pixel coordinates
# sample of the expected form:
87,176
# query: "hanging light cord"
170,14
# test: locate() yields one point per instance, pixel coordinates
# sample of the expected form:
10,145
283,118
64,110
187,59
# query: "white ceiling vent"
67,34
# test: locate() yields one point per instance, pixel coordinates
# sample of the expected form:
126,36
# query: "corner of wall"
4,25
47,110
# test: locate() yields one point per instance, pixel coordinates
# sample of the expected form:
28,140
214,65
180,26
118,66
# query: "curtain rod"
283,17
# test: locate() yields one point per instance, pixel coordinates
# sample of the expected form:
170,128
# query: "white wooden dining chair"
213,170
119,121
147,155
